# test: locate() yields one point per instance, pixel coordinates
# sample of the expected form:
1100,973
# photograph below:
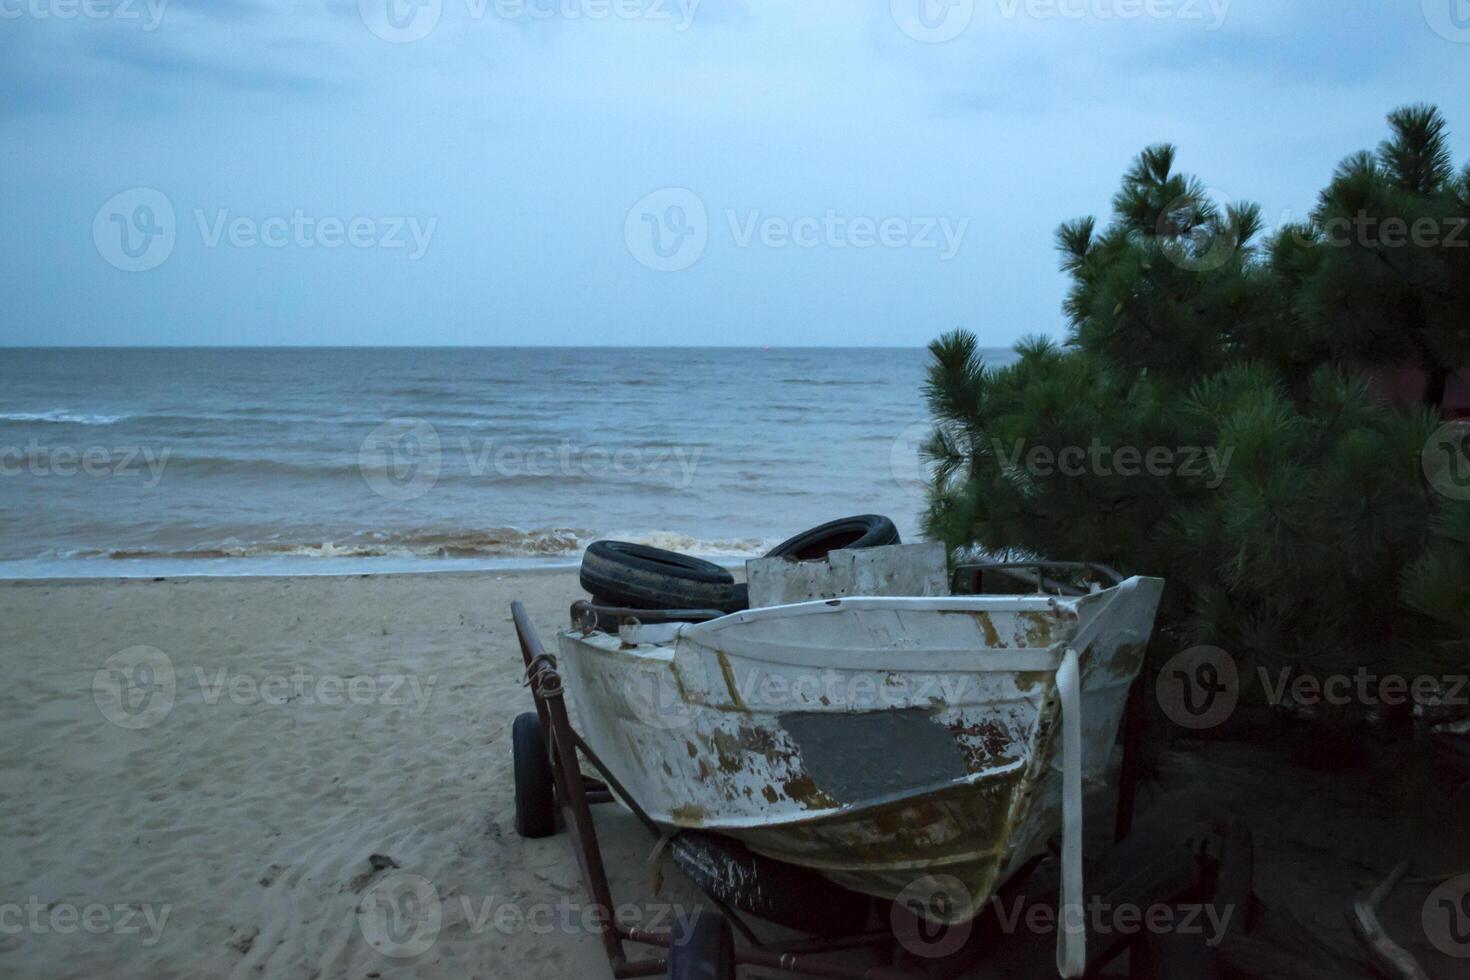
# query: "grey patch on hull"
859,757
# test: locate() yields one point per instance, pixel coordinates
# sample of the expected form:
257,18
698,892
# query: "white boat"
879,740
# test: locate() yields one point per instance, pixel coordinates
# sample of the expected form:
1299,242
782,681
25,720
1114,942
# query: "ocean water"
202,461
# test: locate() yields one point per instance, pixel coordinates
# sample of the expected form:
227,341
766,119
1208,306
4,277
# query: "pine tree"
1311,539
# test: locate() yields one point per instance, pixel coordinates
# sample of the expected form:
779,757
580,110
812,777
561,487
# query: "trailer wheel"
865,531
535,795
704,950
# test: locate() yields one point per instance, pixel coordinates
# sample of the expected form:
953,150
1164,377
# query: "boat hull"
881,742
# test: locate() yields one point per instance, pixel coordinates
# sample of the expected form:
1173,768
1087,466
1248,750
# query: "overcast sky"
811,172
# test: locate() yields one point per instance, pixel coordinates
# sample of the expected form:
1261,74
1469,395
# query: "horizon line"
754,347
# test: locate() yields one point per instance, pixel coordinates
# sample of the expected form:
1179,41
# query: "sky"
644,172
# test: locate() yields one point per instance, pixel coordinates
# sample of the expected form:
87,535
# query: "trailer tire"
863,531
705,950
535,787
640,577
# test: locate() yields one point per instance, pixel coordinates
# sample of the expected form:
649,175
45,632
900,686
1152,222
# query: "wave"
504,542
488,543
60,416
704,547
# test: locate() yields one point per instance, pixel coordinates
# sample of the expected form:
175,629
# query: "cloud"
160,65
530,139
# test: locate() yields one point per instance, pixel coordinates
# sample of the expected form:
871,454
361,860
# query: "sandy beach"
292,750
229,831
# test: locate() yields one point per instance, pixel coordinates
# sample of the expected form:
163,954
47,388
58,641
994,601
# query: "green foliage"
1211,418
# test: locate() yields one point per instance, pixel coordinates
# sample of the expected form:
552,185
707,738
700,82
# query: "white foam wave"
61,416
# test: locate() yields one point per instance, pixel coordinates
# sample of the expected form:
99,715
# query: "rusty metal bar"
786,962
642,968
586,614
877,938
547,687
807,966
525,640
615,786
1014,569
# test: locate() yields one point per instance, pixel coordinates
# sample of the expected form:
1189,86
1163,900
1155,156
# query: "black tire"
640,577
703,949
865,531
535,788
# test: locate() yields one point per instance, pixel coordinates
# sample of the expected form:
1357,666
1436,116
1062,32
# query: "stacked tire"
635,576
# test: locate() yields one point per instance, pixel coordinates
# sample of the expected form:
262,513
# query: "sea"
200,461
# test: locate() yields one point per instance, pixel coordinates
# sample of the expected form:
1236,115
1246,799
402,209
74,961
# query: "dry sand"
315,722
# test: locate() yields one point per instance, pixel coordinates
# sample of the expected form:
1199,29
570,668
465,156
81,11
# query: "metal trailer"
1142,870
